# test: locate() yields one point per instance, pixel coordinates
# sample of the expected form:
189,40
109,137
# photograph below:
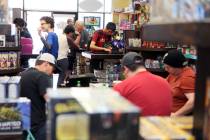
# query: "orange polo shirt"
181,85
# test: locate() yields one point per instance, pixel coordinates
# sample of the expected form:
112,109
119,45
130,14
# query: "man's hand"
107,50
39,31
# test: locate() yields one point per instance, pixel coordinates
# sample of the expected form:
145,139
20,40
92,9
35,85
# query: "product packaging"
89,113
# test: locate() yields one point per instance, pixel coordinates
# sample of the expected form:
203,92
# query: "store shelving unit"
142,49
195,33
11,71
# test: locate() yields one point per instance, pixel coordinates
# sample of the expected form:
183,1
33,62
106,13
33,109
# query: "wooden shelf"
12,71
149,49
10,49
185,33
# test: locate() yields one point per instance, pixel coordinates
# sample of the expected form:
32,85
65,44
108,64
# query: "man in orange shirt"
182,81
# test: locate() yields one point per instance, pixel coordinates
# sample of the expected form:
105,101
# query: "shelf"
185,33
8,72
156,70
10,48
149,49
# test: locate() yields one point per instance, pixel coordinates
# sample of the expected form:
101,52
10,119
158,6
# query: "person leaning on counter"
182,81
99,39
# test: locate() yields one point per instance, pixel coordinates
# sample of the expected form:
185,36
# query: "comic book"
12,60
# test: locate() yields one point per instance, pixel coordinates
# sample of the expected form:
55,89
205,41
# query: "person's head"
19,23
174,61
131,63
46,63
69,30
110,28
47,23
70,21
79,26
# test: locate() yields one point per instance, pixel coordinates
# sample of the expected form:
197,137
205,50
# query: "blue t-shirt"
52,40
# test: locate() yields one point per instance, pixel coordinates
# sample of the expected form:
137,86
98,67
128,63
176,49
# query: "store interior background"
33,10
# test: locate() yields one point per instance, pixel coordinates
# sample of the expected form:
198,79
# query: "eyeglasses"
43,23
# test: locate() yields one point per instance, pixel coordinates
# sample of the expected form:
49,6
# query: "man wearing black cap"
33,85
149,92
182,81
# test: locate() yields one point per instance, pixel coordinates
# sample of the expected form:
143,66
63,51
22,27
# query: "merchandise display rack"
11,71
194,33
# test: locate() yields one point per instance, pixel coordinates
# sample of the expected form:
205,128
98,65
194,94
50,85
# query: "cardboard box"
89,113
15,115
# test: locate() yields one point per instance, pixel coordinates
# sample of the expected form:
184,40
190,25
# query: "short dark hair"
19,22
111,26
39,62
48,20
69,29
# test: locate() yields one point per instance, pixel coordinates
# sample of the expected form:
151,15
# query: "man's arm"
72,43
94,47
188,107
46,44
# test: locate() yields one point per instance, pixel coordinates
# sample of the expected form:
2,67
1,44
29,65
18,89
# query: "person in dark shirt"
33,85
51,42
21,25
73,43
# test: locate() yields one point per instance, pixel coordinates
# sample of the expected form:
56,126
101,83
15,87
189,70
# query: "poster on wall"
3,11
92,21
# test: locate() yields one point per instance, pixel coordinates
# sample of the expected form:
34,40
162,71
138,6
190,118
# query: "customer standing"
51,41
25,39
182,81
80,28
33,85
149,92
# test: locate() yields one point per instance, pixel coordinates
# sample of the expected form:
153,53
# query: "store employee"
99,38
33,85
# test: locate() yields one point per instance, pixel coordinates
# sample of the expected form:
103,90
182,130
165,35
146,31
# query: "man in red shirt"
149,92
99,39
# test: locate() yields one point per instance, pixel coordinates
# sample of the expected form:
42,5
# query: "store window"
51,5
108,6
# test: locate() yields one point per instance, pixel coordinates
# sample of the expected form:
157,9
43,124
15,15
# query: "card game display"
89,113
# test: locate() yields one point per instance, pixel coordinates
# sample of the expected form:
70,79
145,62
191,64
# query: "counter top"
91,55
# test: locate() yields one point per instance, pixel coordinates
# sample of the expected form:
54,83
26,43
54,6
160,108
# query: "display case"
9,51
91,113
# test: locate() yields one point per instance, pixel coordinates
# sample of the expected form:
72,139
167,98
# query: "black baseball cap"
175,58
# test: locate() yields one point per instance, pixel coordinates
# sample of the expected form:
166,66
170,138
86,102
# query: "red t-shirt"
149,92
181,85
100,38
